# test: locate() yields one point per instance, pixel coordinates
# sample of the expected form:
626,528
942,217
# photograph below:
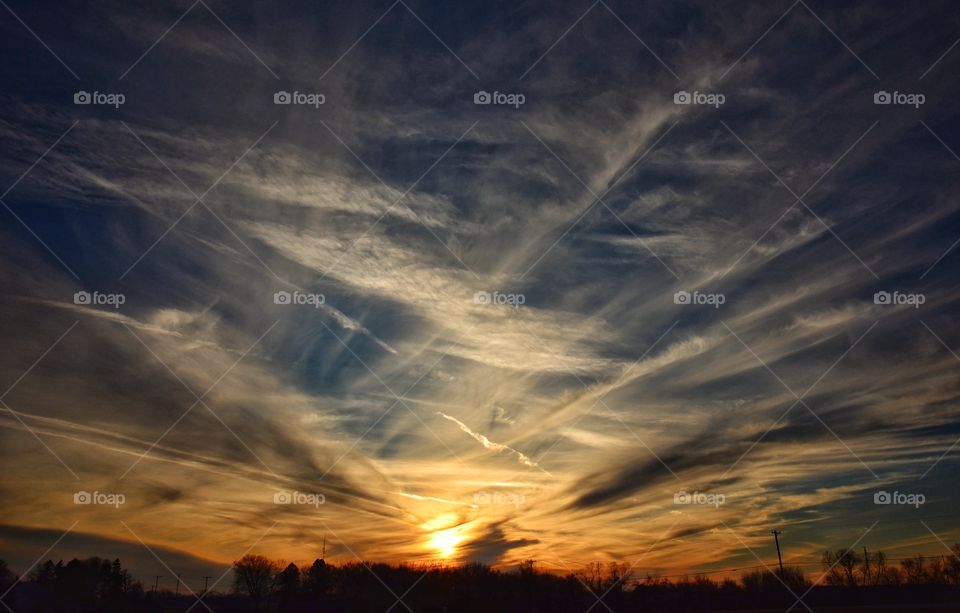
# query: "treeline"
92,585
263,585
847,567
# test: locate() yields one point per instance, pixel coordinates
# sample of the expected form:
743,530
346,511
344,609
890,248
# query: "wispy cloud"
488,444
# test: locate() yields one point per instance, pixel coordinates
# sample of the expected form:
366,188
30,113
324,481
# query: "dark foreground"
260,585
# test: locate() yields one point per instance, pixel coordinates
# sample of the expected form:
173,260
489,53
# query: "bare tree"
592,577
841,566
254,576
953,565
874,567
619,576
914,570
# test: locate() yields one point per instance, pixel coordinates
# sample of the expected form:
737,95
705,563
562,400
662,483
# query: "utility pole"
323,556
866,564
776,537
156,582
178,584
206,580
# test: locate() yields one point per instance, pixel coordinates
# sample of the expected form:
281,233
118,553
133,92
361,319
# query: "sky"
437,282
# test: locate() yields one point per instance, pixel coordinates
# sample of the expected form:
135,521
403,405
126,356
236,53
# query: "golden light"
446,533
445,542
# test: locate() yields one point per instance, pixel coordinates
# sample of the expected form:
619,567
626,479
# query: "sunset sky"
484,355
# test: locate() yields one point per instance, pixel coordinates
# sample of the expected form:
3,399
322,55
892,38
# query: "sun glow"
445,542
446,533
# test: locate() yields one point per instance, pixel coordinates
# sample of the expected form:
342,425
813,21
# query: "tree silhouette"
7,578
288,587
914,570
317,580
253,575
93,584
841,567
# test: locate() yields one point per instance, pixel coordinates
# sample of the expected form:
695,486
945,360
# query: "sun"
445,542
445,534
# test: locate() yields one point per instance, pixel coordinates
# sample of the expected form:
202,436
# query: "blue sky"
513,331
